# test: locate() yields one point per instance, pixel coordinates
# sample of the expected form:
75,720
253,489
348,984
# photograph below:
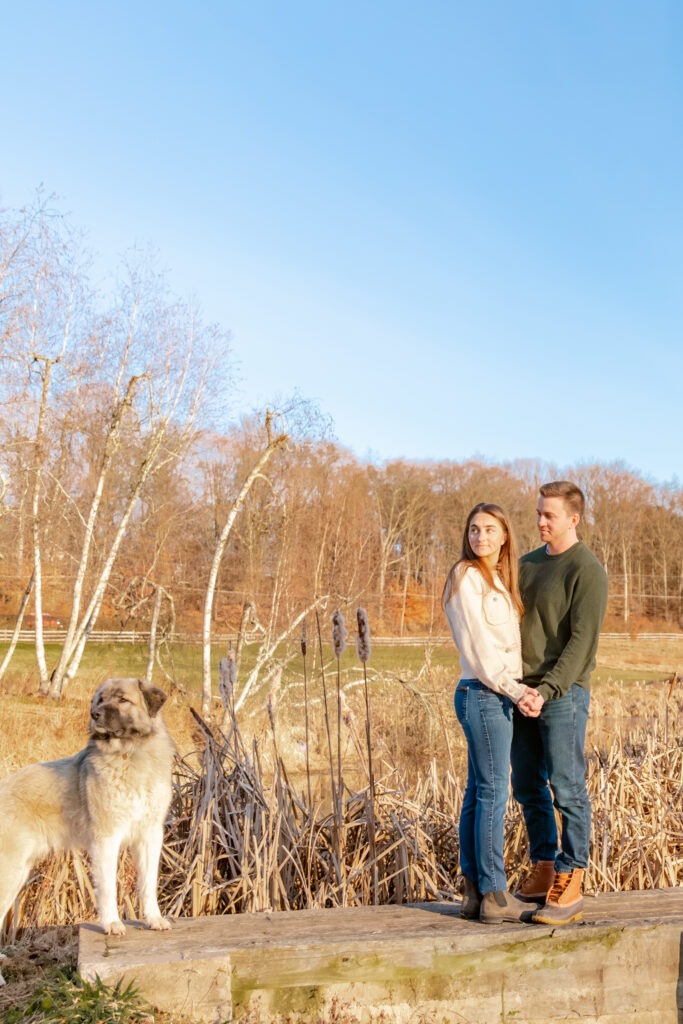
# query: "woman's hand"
531,702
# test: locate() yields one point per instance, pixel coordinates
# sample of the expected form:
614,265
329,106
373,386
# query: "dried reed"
363,651
339,646
227,680
238,840
240,837
327,723
306,721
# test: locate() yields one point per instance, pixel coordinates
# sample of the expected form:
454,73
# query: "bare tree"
119,398
273,442
40,282
17,628
160,407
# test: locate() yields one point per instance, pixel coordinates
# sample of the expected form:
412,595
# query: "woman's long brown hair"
507,567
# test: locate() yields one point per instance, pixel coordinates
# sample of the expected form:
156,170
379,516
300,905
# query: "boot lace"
559,886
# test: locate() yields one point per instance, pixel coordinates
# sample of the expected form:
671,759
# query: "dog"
114,792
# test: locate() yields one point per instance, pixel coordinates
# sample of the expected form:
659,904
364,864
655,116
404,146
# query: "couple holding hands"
527,634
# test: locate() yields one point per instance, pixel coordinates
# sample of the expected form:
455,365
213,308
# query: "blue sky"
457,227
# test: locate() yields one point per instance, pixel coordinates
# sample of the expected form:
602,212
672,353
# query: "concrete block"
409,965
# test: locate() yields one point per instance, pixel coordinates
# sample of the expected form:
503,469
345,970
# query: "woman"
483,607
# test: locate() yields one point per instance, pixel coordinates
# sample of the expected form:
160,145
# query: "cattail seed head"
338,633
303,638
273,694
363,638
227,678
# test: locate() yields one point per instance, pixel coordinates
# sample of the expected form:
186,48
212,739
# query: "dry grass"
35,728
41,950
241,838
243,835
642,654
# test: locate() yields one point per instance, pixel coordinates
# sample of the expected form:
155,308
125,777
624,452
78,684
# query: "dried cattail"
308,758
273,694
339,645
363,649
338,633
363,638
227,678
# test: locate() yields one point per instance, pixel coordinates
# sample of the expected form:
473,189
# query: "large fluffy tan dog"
114,792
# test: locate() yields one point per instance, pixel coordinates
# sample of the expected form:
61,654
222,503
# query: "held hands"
530,703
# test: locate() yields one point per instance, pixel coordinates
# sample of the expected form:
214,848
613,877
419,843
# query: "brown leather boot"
471,900
497,907
564,902
536,885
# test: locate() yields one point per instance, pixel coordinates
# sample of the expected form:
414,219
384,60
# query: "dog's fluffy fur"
114,792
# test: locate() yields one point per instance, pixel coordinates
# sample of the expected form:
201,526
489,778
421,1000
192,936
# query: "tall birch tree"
273,441
162,358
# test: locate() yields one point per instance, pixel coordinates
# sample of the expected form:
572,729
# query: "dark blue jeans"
548,751
486,720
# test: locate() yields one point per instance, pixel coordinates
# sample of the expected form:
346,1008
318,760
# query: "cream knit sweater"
485,629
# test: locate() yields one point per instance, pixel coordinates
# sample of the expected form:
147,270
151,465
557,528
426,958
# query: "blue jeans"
548,751
486,720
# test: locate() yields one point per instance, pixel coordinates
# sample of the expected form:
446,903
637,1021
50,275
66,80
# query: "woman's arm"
473,638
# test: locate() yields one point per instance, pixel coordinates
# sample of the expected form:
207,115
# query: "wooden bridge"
419,964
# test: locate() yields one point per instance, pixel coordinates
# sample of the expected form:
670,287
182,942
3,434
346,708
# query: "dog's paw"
115,928
158,924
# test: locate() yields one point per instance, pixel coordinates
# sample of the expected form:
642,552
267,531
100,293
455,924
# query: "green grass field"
182,662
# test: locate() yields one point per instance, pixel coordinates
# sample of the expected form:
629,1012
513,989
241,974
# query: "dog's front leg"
146,850
105,855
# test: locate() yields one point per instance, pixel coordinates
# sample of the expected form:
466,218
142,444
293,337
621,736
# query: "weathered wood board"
409,965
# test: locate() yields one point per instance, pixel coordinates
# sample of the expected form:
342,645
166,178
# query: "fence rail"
107,636
641,636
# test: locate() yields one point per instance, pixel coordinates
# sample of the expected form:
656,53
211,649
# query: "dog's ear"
154,697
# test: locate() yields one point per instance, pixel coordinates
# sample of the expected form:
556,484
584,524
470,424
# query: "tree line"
127,500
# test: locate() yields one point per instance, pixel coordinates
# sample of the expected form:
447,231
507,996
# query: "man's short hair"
572,495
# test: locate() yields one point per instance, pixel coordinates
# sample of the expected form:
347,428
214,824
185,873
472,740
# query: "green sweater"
565,597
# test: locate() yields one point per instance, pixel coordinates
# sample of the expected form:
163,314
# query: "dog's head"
125,708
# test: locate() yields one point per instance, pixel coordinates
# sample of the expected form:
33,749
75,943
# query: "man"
564,590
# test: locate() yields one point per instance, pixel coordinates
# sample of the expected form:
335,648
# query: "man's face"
556,525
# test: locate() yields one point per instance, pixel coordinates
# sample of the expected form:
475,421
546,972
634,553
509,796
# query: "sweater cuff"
545,691
514,689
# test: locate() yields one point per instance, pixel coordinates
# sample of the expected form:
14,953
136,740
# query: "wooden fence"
112,636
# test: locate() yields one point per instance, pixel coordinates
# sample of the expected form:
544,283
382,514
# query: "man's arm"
589,603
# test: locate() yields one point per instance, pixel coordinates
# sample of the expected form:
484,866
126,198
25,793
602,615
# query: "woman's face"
486,537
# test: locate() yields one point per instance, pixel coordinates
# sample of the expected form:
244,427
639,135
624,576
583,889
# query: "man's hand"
530,703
